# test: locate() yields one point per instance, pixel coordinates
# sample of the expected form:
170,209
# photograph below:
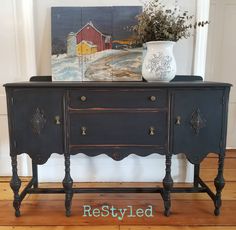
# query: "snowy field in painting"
107,65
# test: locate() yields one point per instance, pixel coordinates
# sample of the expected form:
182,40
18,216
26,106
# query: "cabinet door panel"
38,122
197,120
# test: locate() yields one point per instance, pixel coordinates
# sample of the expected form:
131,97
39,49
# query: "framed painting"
95,44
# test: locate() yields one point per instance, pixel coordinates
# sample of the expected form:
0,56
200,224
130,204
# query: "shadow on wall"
104,169
183,167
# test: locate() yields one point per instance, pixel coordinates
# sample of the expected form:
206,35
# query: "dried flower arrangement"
157,23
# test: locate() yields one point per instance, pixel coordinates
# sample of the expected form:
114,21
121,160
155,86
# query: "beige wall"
9,71
221,61
183,50
13,68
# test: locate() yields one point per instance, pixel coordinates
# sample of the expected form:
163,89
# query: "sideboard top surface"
70,84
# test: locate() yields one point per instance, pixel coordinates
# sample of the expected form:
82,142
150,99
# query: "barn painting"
95,44
91,34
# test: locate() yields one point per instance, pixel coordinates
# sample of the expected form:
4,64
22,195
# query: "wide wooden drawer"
111,128
117,98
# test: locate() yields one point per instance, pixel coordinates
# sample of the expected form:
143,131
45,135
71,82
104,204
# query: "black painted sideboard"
117,119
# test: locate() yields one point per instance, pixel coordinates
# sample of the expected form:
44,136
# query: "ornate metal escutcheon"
197,122
38,121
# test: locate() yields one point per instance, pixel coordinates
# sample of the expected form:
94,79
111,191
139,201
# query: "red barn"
92,34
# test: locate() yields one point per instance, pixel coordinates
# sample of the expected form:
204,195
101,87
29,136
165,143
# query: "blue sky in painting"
109,20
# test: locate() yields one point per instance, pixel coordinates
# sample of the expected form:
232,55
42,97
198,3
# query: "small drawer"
117,98
110,128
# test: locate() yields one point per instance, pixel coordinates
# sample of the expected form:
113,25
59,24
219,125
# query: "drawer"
117,98
118,128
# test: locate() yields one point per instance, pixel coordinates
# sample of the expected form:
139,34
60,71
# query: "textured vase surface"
159,62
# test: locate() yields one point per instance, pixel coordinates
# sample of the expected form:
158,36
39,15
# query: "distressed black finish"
219,184
121,98
118,128
67,184
33,113
202,128
117,119
167,184
15,184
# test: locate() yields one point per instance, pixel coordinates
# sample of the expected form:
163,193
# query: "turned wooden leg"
67,184
35,174
196,175
219,184
167,184
15,184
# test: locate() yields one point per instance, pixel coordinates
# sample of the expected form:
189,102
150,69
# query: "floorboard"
184,212
60,227
176,228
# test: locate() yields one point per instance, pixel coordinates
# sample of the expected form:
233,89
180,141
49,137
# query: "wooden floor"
189,211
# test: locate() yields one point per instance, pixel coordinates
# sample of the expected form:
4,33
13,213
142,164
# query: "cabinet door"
37,122
197,122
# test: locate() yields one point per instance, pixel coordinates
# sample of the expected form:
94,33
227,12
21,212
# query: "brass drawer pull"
178,120
153,98
57,120
83,131
152,131
83,98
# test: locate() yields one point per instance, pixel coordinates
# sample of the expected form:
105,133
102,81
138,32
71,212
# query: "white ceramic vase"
159,62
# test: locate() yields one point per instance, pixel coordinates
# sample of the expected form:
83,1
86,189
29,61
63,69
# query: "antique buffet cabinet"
117,119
